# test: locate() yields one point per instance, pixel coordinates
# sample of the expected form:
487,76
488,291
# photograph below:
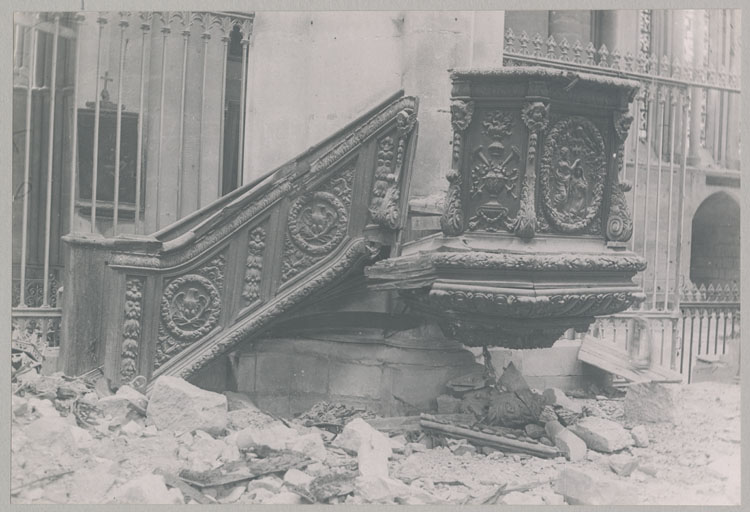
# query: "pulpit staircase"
171,302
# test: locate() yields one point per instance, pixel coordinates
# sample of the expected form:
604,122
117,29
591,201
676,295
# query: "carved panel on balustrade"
191,307
572,177
495,167
256,245
317,222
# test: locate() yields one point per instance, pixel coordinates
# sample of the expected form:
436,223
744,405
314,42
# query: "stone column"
699,51
733,123
571,25
676,52
487,39
433,43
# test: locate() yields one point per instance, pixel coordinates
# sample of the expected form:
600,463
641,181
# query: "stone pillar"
733,123
678,52
434,42
571,25
310,74
699,51
487,39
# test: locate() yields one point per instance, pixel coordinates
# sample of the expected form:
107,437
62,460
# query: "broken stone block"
138,399
275,437
175,404
147,490
356,432
447,404
233,495
581,487
131,428
534,431
398,443
552,428
310,444
570,445
522,498
650,402
372,456
602,435
43,408
20,405
556,397
298,478
91,485
53,433
623,464
640,436
118,408
283,498
375,489
269,483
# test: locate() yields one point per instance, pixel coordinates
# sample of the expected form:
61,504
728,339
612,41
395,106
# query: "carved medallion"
317,223
573,172
254,264
190,308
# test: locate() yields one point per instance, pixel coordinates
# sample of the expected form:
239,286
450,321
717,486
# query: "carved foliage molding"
317,223
452,220
131,328
573,173
535,116
256,245
619,222
569,305
190,308
384,208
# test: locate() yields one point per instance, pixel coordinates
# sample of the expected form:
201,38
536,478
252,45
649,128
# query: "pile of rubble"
73,441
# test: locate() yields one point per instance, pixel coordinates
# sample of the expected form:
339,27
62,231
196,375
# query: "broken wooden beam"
400,424
612,359
491,440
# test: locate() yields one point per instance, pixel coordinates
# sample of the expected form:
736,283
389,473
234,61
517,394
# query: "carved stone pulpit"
535,222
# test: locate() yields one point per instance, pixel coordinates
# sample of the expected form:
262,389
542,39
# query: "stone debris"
175,404
650,403
556,397
623,464
602,435
640,436
61,455
581,487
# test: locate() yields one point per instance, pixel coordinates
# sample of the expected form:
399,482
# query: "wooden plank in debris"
186,489
495,441
614,360
410,423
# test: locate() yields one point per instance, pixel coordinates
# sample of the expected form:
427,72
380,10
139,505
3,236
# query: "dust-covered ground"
61,454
